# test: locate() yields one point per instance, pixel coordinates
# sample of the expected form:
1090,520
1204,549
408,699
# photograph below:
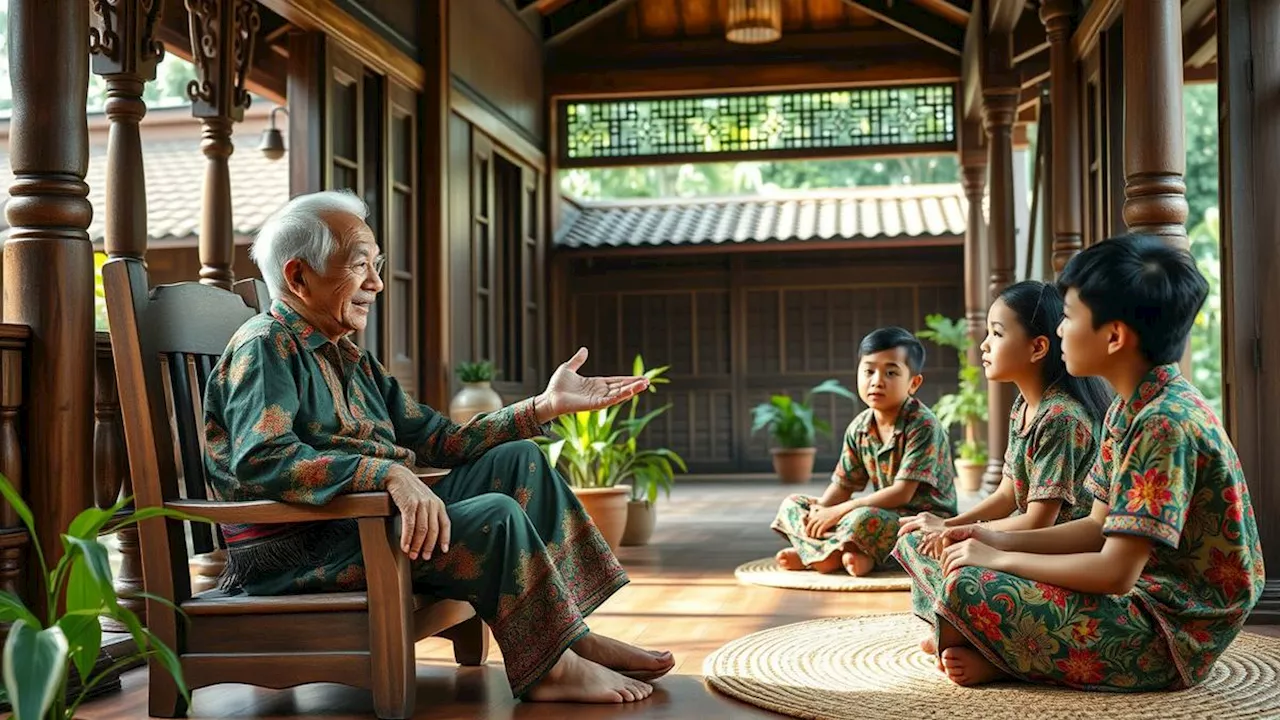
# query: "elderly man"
295,412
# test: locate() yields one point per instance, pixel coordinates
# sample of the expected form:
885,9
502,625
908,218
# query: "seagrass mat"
872,667
767,572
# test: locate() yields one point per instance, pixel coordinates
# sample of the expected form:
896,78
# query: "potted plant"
648,471
594,453
967,406
477,394
41,652
794,429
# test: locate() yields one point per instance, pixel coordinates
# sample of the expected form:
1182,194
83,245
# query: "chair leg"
390,621
163,700
470,642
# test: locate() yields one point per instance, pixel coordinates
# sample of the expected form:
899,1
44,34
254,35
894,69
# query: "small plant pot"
794,465
608,510
969,475
642,515
473,399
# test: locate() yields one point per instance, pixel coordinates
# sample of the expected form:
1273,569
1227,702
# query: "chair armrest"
355,505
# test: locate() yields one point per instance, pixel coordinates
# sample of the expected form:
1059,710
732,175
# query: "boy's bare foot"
966,666
857,564
575,679
830,564
789,559
623,658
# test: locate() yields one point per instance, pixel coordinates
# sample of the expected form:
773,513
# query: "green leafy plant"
791,423
601,448
40,653
474,372
968,405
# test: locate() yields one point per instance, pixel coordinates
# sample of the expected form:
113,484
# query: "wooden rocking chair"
166,342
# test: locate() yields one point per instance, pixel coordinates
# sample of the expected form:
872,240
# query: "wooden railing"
13,534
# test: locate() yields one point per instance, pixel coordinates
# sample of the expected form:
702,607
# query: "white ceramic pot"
473,399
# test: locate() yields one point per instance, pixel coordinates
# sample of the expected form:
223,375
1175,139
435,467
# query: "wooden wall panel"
495,57
798,325
396,20
460,295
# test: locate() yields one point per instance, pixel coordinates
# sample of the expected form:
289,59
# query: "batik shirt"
293,417
918,450
1051,458
1170,474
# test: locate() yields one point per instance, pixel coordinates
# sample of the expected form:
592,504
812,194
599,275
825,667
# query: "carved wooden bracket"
223,34
123,37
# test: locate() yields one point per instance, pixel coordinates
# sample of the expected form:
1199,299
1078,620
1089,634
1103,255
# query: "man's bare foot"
575,679
625,659
857,564
966,666
789,559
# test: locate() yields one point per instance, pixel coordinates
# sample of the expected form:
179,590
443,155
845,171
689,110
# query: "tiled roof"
920,211
174,169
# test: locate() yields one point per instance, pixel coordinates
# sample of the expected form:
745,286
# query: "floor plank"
682,597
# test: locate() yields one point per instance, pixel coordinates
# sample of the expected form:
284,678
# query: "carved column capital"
123,40
999,108
1058,17
223,35
973,178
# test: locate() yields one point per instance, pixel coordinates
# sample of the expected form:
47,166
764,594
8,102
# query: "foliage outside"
40,654
600,449
968,405
791,423
476,372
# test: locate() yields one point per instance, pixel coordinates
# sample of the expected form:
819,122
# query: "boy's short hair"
888,338
1145,283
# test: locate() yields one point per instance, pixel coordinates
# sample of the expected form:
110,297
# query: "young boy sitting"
1149,590
897,445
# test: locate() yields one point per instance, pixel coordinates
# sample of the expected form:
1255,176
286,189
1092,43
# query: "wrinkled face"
885,379
1084,348
337,299
1008,350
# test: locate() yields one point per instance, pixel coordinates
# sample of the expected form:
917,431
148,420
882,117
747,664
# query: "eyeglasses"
361,267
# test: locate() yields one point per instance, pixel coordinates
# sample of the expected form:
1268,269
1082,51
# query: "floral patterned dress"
1169,474
293,417
918,450
1049,459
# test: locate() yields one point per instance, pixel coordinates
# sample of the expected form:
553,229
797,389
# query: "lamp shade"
753,21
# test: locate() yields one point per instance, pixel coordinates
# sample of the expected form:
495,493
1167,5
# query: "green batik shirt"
918,450
1170,474
1052,457
293,417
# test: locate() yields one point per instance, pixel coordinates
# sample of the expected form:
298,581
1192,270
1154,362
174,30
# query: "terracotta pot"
794,465
473,399
969,475
642,515
608,509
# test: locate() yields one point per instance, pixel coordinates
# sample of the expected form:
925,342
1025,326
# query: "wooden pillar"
1065,181
125,53
1249,147
999,106
1155,154
222,40
973,172
48,261
436,348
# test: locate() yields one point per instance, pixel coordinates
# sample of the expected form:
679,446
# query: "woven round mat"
767,572
872,667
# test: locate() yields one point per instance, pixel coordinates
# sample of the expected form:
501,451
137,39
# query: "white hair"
298,230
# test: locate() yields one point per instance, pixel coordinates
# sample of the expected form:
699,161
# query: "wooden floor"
682,597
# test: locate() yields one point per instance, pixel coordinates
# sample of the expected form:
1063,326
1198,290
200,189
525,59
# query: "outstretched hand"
568,392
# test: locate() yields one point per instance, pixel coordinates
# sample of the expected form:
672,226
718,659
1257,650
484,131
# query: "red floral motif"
1227,571
311,473
461,563
985,620
522,496
1081,667
1054,594
1108,450
1085,631
1150,492
351,578
1232,496
988,576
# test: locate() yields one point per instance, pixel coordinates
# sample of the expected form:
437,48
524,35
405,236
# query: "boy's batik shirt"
1170,474
918,450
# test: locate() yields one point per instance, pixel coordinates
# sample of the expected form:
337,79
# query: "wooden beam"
544,7
357,38
1200,44
752,247
972,63
1033,71
1004,15
493,126
916,22
1196,12
893,69
578,17
1100,15
816,153
1029,39
953,13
